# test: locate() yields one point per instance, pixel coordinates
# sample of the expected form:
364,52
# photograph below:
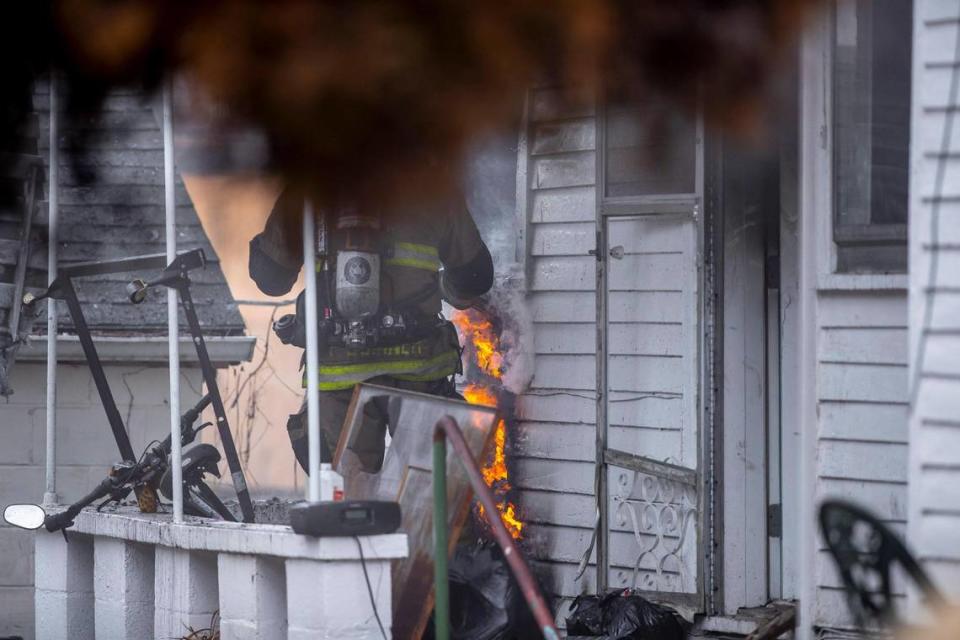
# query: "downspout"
53,184
312,353
173,324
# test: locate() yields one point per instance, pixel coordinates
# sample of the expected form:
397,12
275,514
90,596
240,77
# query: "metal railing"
447,429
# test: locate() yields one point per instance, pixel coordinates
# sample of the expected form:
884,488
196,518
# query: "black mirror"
25,516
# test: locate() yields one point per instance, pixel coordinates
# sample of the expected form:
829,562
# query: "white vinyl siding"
553,467
863,406
935,330
861,359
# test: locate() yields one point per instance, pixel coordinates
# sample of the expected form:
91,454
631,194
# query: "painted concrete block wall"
934,301
127,576
85,452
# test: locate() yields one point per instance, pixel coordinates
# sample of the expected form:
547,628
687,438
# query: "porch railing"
128,575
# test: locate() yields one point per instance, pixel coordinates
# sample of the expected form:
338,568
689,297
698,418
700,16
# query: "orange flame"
478,332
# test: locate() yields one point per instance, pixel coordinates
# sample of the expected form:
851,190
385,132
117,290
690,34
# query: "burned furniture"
405,477
176,276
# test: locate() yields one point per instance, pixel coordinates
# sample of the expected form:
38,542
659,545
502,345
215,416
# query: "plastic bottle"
331,484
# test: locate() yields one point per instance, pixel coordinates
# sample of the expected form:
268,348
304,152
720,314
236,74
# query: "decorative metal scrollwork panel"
653,541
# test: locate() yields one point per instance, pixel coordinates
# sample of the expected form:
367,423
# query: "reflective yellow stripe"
418,248
414,256
334,377
413,263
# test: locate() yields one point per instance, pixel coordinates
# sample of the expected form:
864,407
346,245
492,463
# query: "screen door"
649,425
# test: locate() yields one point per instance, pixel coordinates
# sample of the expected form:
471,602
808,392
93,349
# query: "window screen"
871,141
649,150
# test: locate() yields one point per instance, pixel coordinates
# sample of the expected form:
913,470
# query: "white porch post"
173,325
53,205
811,100
313,351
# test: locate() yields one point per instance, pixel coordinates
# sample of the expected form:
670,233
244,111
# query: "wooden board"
405,477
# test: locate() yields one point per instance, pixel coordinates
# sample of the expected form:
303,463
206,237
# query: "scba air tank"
358,284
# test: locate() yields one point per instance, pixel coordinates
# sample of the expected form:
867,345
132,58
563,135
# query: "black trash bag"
586,614
631,617
486,602
621,615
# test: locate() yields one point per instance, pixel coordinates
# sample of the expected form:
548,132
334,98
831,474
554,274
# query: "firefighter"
380,286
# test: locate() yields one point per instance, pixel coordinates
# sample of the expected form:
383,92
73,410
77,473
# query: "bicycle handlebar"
110,484
64,519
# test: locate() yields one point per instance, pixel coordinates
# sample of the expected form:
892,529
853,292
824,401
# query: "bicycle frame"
175,274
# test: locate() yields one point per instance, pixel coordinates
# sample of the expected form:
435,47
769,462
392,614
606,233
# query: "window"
649,157
650,150
871,134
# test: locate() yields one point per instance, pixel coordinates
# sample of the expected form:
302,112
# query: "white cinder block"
252,597
16,611
330,599
64,587
185,591
123,589
16,557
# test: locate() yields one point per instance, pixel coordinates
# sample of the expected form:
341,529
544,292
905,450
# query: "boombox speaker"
345,518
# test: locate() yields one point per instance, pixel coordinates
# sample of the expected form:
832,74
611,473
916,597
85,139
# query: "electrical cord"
936,199
366,577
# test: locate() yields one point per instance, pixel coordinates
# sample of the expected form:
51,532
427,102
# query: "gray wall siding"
554,472
934,317
863,407
85,452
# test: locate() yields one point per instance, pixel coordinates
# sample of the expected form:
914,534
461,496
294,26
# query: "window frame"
845,236
672,203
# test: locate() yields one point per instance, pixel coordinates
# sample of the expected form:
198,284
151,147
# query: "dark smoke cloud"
382,97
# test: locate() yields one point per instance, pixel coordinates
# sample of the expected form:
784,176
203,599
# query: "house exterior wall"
934,301
862,404
555,475
85,451
858,356
652,361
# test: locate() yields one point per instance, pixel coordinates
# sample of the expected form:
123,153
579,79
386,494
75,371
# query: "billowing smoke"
490,185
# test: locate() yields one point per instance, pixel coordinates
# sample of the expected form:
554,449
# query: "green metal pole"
441,606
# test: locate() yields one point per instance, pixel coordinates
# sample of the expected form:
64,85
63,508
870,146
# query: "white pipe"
313,352
173,325
53,204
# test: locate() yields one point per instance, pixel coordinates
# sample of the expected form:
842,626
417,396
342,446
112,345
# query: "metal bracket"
775,521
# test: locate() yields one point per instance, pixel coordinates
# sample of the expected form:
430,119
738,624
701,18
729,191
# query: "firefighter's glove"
452,297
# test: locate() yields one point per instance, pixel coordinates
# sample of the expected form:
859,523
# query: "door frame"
683,205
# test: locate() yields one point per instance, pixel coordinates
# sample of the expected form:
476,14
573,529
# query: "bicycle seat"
198,459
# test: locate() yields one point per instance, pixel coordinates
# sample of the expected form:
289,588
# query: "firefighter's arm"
467,263
276,253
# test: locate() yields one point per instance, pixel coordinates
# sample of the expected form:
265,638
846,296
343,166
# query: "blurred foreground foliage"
382,97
